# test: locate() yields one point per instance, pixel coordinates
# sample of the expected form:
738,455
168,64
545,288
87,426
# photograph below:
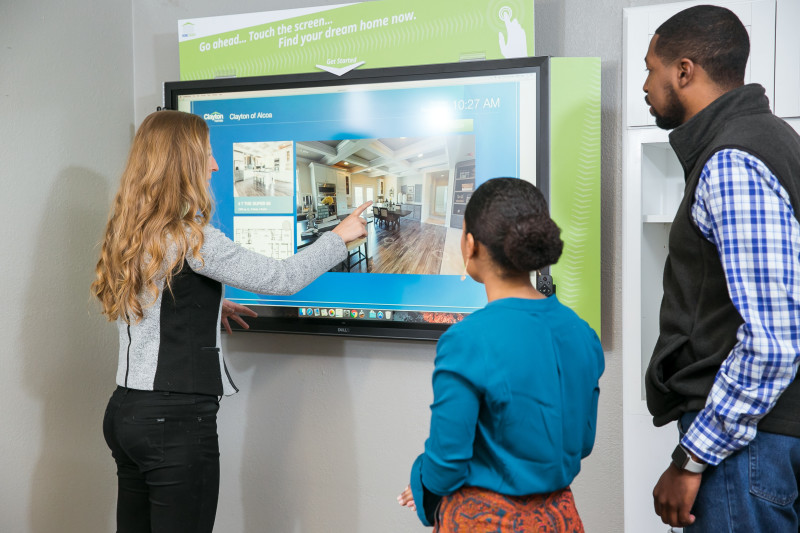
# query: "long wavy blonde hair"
158,214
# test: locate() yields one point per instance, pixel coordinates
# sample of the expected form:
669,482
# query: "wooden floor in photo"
249,187
414,248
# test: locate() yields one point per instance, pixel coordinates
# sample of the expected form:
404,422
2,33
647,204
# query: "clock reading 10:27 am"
476,104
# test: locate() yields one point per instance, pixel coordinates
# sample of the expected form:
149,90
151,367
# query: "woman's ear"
469,245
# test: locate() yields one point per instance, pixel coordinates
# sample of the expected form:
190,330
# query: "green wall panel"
575,181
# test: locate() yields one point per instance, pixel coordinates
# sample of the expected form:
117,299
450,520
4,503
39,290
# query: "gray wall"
594,28
66,95
323,433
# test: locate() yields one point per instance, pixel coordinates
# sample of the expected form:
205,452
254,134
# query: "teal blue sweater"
515,389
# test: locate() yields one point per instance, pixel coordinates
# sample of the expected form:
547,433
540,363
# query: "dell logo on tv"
342,330
216,116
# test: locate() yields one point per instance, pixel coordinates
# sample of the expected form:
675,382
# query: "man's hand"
232,311
674,496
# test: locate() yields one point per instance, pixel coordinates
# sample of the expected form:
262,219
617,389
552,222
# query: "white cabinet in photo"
787,59
341,191
640,24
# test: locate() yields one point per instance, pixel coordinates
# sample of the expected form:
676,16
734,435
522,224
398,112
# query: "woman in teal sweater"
515,384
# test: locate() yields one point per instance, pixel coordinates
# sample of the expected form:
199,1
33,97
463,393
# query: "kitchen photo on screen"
419,187
263,169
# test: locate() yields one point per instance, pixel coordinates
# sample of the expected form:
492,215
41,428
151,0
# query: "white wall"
323,433
66,94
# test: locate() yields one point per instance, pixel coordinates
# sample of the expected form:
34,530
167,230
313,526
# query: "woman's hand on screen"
406,499
354,226
233,311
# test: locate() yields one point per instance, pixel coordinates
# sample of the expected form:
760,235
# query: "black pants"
167,454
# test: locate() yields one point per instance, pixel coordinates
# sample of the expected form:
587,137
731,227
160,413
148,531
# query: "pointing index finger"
360,209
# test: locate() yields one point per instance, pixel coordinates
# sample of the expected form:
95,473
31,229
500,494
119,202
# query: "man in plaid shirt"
729,344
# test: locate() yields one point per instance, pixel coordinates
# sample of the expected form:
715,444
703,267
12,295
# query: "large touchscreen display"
294,161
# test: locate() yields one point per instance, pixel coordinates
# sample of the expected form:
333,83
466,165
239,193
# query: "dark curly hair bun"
533,242
510,217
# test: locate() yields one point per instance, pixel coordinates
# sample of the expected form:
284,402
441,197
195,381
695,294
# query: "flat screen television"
298,152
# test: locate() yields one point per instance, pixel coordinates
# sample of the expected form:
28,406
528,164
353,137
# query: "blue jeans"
167,454
754,490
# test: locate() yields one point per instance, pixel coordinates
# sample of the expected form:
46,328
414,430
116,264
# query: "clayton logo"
187,30
216,116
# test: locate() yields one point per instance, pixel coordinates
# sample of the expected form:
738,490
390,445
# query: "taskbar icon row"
327,312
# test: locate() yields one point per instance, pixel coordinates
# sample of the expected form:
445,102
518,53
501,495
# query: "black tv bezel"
361,327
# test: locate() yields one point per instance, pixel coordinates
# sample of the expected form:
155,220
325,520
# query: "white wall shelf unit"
787,59
640,24
653,187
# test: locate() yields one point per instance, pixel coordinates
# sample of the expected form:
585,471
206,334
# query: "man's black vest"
698,322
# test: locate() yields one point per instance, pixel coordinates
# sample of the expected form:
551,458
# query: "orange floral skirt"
477,510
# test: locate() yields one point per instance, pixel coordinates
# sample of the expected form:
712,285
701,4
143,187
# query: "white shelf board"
658,219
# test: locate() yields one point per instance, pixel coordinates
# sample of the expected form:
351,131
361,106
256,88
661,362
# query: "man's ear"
686,72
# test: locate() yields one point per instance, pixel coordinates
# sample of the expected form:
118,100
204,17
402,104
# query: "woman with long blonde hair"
160,277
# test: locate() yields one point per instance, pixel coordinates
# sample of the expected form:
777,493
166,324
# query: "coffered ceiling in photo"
402,156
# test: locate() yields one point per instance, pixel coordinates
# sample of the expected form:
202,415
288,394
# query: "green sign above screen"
379,34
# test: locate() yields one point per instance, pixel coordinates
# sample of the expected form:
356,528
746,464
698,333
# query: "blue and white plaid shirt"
741,207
